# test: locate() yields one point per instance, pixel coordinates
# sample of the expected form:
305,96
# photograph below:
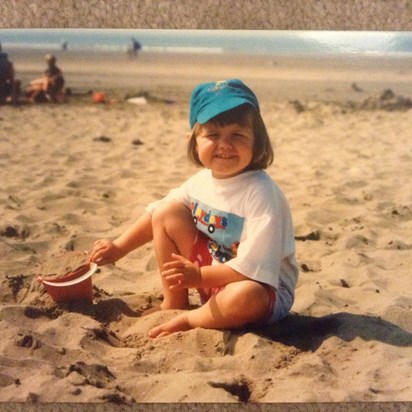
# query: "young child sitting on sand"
227,230
50,86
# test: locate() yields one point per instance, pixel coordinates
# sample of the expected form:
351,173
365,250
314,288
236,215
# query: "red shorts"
201,255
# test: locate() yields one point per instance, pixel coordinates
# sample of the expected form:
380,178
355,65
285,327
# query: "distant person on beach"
227,231
134,49
48,88
9,85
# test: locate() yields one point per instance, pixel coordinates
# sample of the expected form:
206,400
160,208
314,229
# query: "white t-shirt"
248,221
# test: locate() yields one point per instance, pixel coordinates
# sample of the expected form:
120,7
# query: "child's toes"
158,332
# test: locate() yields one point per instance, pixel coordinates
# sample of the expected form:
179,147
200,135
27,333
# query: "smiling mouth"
225,157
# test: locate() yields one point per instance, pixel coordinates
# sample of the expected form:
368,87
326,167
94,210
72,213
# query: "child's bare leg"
173,232
238,304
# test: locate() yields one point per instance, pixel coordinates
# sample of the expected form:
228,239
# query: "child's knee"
172,216
159,216
248,298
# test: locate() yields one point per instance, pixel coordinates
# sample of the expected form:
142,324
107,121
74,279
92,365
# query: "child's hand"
104,252
181,273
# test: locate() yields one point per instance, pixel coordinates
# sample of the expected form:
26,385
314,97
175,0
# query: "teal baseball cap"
213,98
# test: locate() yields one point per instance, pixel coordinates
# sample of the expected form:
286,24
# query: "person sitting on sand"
227,231
9,85
48,88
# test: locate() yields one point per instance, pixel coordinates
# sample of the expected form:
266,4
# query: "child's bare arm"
107,251
182,273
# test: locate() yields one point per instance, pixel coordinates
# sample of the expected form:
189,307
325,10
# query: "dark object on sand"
299,107
356,88
387,100
103,139
315,235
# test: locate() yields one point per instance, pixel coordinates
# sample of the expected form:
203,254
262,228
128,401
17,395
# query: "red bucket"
73,286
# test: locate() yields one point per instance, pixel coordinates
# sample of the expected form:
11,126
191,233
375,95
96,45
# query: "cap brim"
220,107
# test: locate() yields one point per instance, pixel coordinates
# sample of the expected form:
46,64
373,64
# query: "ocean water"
212,41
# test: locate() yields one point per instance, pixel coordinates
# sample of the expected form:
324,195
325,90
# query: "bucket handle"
93,268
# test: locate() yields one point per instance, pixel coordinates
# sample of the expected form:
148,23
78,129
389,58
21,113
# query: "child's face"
225,150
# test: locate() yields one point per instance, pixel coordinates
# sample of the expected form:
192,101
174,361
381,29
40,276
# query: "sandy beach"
76,172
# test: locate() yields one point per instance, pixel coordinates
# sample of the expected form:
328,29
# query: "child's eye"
212,135
239,136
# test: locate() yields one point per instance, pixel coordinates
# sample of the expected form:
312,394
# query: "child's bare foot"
159,307
178,324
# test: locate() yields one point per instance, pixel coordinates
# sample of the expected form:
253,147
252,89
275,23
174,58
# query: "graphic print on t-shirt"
223,229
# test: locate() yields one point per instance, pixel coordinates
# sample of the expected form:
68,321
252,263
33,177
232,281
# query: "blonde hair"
245,114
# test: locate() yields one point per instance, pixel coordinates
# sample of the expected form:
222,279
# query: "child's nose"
226,141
